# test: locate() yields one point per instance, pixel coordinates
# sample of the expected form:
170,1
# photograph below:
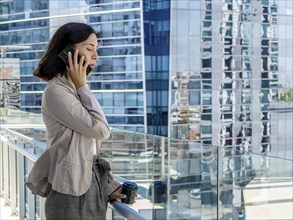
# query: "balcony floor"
5,211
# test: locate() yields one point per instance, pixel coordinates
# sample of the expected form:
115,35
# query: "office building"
118,81
224,71
207,71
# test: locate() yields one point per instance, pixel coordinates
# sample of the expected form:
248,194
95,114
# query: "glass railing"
185,180
177,179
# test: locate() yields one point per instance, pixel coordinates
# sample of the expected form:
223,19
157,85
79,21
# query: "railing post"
6,173
31,198
31,204
1,166
168,193
13,176
218,181
163,157
21,197
42,208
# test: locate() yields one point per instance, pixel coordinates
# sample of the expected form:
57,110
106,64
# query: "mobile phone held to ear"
63,55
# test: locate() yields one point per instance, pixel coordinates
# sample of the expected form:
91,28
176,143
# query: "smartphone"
63,55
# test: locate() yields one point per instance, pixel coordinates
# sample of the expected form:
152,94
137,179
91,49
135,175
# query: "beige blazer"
74,122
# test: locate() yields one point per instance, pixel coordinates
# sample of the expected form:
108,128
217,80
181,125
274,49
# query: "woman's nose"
95,55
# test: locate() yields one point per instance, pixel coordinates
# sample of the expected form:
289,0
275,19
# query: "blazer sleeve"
82,114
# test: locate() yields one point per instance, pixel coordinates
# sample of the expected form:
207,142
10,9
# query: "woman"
75,181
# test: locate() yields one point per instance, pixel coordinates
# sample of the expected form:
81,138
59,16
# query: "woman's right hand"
77,71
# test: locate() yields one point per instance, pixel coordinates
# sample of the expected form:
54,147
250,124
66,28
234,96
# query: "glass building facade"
118,81
156,17
229,64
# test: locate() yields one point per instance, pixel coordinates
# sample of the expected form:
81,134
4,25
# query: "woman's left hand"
117,195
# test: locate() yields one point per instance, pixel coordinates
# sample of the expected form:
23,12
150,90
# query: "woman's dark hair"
69,34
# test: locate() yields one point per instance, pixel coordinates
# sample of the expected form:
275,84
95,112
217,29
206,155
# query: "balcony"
177,179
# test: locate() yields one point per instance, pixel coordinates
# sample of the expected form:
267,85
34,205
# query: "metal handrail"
22,151
119,207
24,137
127,212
